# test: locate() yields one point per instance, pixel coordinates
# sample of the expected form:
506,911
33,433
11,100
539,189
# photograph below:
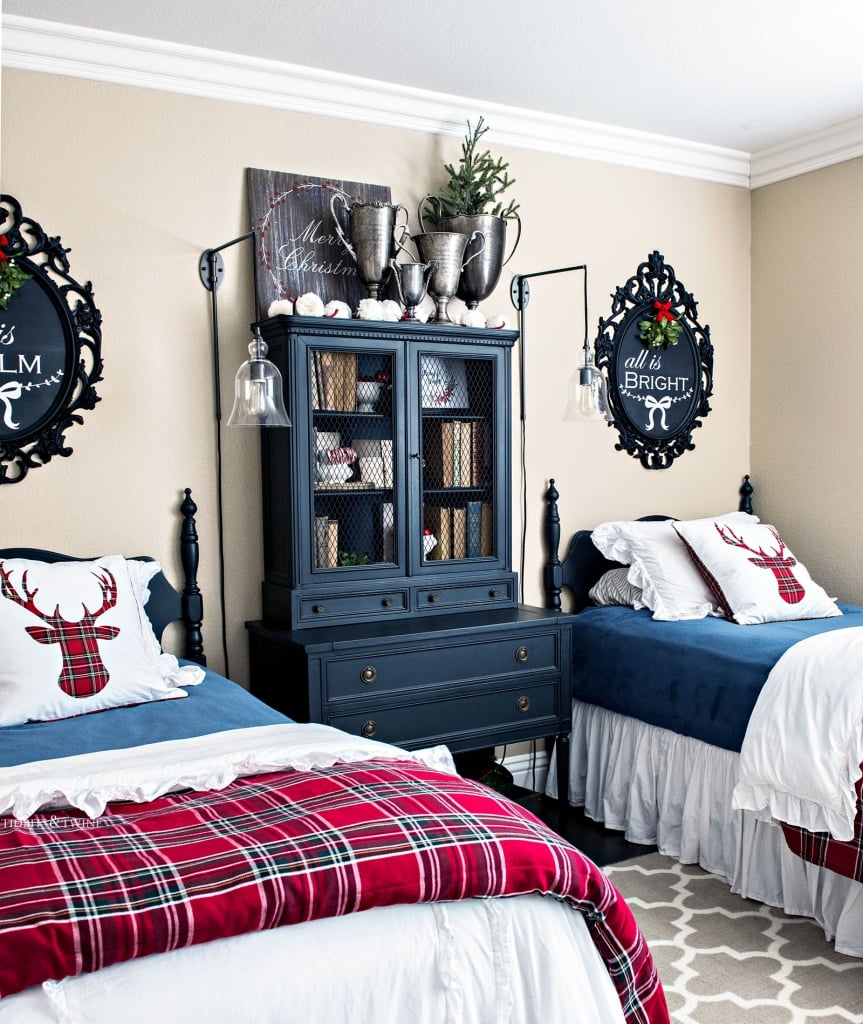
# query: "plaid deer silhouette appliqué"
83,673
779,562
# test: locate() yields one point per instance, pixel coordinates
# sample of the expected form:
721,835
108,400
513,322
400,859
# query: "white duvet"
801,754
512,961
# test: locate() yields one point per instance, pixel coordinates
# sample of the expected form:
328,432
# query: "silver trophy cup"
412,281
445,249
373,242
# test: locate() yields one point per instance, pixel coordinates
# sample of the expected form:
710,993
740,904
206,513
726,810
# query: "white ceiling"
741,74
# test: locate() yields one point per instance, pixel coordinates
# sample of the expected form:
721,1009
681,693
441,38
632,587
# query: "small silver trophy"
412,282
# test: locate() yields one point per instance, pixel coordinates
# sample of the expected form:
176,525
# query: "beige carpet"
726,960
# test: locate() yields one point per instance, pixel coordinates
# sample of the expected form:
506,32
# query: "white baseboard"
529,770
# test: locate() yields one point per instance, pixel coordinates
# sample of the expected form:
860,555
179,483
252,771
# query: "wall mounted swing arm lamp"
587,394
258,391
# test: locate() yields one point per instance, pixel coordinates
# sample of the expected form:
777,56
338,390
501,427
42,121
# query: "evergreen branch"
475,185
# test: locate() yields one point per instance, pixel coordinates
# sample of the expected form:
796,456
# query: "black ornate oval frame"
659,395
50,347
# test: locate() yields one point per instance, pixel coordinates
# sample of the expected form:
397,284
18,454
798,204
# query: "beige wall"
140,182
807,366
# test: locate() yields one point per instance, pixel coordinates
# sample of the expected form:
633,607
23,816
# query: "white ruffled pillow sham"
659,564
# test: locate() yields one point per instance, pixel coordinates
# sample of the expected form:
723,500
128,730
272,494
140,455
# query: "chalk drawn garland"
658,395
50,349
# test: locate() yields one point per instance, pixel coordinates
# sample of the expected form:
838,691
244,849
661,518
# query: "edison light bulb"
257,398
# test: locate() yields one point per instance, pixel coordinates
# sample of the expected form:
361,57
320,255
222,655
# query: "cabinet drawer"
486,594
446,718
342,607
408,667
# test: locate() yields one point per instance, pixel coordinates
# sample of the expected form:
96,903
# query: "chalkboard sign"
50,346
297,247
659,364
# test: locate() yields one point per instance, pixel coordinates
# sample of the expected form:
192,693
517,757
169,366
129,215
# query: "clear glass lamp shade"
258,393
588,397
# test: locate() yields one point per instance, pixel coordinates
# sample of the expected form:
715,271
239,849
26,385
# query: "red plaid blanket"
845,858
283,848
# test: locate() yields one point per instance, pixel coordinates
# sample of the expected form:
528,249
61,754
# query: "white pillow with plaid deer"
659,565
74,638
752,573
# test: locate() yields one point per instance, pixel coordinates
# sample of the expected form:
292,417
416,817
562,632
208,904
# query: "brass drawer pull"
318,608
494,593
369,729
523,704
388,602
369,674
521,654
434,597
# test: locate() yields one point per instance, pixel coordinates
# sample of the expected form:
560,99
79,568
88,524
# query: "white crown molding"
31,44
810,153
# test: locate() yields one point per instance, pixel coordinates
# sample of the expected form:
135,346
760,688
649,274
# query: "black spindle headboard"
582,565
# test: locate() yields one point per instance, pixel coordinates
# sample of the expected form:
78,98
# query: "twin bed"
171,848
666,678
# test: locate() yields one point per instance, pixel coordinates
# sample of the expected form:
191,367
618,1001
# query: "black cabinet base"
470,681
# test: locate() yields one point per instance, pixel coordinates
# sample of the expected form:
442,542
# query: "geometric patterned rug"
723,959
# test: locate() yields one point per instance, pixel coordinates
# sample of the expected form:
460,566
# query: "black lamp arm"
520,294
211,268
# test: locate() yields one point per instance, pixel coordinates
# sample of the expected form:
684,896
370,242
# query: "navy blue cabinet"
390,606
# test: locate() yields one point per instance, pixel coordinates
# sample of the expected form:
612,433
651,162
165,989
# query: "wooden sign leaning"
297,248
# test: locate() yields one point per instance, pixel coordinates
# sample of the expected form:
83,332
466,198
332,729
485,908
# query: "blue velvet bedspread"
215,705
700,678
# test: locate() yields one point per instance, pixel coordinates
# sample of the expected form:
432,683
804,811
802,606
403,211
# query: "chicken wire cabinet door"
389,496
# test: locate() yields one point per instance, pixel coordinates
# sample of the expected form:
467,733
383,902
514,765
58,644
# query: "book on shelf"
385,531
465,468
387,457
454,453
438,519
326,379
459,532
486,546
477,456
455,447
473,529
336,376
438,452
347,391
326,542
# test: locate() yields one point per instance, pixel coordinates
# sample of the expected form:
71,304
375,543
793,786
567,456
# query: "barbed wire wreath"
265,226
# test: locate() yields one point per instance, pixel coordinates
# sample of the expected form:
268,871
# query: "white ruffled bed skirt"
674,792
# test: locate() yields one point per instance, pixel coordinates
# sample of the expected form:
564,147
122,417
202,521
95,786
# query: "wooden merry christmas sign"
297,246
